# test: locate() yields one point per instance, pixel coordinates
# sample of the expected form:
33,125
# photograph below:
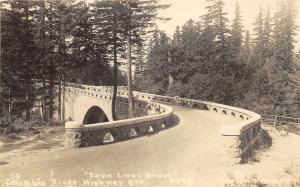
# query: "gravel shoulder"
277,166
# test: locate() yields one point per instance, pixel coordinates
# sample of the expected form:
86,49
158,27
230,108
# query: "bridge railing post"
177,100
275,120
73,134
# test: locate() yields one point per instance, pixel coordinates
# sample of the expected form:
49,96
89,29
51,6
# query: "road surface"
188,154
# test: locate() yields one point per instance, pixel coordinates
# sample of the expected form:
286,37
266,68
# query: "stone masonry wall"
84,137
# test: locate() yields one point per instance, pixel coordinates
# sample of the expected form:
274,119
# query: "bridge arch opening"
94,115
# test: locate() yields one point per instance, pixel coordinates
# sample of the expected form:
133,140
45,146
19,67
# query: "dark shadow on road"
3,163
267,139
176,120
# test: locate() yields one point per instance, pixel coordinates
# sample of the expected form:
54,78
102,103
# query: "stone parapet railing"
240,139
105,93
78,135
103,89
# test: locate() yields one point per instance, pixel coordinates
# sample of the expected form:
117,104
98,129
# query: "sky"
182,10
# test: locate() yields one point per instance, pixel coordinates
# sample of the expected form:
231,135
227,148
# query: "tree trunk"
51,71
51,98
59,100
129,76
44,93
9,101
60,41
44,89
2,100
27,73
115,75
27,79
63,99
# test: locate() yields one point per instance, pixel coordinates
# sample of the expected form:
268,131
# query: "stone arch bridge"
89,110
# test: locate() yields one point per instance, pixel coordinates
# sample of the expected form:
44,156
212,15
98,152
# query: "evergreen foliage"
209,60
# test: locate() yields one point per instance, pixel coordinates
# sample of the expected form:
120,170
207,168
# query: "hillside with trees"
217,60
45,44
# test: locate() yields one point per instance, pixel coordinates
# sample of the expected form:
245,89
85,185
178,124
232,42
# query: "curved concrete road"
188,154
